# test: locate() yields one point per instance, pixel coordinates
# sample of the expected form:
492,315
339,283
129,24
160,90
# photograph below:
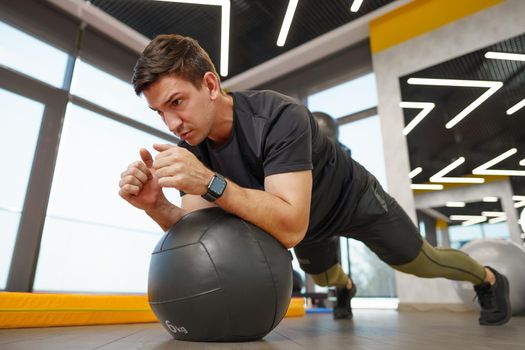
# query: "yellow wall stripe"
418,17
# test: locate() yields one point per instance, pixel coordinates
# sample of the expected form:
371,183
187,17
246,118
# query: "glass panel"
372,277
365,140
460,235
93,240
348,98
31,56
19,127
497,230
112,93
85,257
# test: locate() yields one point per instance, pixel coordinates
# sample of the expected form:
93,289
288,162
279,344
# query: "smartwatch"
216,188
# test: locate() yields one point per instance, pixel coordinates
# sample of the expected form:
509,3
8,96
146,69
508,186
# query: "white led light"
498,219
356,5
415,172
493,214
455,204
468,219
522,162
483,169
492,86
440,175
426,187
426,107
496,216
225,27
516,107
519,204
288,17
520,201
505,56
490,199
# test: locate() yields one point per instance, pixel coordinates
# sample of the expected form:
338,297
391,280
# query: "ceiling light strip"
430,187
483,169
498,219
490,199
468,219
492,86
520,201
516,107
288,17
356,5
496,216
493,214
225,27
225,37
455,204
505,56
426,107
440,175
522,162
415,172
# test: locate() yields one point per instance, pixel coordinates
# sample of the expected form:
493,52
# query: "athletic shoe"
494,301
343,308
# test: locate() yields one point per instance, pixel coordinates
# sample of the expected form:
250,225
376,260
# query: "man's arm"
191,202
282,209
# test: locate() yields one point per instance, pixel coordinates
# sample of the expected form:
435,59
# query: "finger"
161,162
146,157
161,147
139,171
128,191
144,170
132,180
168,182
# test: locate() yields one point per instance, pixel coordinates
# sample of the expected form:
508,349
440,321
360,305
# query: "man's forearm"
277,217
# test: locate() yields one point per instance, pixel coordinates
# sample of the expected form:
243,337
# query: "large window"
351,97
93,240
31,56
460,235
77,235
19,125
354,100
112,93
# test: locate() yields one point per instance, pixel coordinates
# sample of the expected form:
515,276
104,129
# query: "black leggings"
384,227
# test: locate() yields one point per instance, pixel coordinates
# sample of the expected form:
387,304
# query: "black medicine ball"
216,277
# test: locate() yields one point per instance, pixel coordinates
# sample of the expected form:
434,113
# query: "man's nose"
173,122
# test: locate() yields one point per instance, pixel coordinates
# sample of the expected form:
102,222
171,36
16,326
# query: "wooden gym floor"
370,330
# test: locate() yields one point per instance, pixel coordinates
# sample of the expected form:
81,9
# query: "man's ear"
211,83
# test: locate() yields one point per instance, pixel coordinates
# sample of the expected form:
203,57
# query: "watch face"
217,186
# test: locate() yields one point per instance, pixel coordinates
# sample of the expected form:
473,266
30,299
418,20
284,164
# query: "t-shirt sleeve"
288,145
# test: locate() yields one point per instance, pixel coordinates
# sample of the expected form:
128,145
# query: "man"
261,156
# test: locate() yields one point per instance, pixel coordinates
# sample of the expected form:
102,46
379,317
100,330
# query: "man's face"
186,111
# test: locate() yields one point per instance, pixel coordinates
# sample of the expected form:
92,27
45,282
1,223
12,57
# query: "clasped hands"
142,182
178,168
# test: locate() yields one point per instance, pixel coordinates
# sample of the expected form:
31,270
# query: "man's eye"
176,102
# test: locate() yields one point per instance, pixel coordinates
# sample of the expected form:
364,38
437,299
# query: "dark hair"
172,53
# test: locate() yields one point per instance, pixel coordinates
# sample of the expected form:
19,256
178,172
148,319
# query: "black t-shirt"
274,134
